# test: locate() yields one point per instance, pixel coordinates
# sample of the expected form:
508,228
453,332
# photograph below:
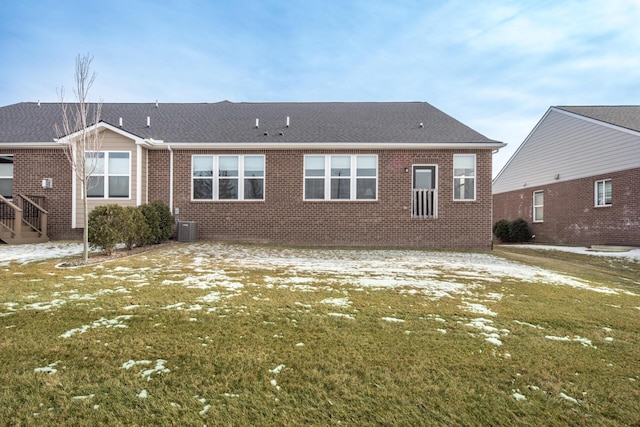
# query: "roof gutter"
333,145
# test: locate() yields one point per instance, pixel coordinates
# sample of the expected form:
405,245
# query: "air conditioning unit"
187,231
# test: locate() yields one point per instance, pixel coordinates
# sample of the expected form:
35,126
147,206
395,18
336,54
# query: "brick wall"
29,168
569,213
284,217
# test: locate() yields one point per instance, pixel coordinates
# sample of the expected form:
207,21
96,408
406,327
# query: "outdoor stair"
24,221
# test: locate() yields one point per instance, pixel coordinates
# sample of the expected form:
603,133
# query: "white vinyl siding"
340,177
564,147
538,206
602,195
227,177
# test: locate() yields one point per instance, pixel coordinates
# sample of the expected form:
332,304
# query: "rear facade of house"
344,174
576,178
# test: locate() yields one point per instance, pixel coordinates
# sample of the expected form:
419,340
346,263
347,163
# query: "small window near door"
603,193
6,176
538,206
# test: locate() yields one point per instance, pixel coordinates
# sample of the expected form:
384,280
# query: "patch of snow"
633,254
478,309
347,316
528,324
518,396
102,322
568,398
608,339
337,302
393,320
204,410
584,341
277,369
143,394
49,369
158,369
90,396
442,331
131,363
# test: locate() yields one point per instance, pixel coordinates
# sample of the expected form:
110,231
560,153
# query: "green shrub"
152,220
501,230
519,231
159,220
135,229
512,231
166,221
106,227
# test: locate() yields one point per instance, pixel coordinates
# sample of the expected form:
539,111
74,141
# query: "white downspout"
170,178
138,175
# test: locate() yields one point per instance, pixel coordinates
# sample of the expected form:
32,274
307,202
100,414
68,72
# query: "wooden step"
24,238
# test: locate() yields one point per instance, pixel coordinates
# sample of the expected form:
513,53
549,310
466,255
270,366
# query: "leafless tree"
79,135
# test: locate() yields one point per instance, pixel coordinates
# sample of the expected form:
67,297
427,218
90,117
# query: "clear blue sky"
496,66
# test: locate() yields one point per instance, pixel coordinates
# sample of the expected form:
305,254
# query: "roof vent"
287,121
257,123
120,122
156,103
38,102
421,125
148,121
280,133
266,134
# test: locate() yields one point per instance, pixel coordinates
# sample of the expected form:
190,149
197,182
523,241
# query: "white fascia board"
331,145
41,145
595,121
100,126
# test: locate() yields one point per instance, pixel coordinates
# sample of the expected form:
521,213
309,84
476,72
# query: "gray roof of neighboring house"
626,116
236,122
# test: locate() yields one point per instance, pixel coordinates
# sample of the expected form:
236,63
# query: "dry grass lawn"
238,335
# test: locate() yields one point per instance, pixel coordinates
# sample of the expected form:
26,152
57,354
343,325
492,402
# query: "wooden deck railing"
22,216
33,214
424,203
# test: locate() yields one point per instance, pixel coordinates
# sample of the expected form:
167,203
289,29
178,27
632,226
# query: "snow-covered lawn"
209,282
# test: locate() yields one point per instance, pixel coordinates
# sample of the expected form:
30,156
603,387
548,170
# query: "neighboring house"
576,177
361,174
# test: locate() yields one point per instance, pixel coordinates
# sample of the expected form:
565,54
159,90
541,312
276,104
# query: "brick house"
354,174
576,177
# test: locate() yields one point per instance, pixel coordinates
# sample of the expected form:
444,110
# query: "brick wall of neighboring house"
570,216
284,217
29,168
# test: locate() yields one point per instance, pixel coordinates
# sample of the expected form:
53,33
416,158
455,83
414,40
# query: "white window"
464,177
6,176
340,177
538,206
227,177
111,176
603,193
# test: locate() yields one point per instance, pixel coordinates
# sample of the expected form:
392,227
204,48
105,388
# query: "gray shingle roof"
626,116
235,122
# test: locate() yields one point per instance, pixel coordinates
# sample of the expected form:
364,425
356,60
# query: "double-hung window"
603,193
464,177
223,177
538,206
340,177
111,174
6,176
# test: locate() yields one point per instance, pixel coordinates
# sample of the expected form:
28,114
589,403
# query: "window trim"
106,175
12,178
241,178
475,180
327,177
604,196
534,206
